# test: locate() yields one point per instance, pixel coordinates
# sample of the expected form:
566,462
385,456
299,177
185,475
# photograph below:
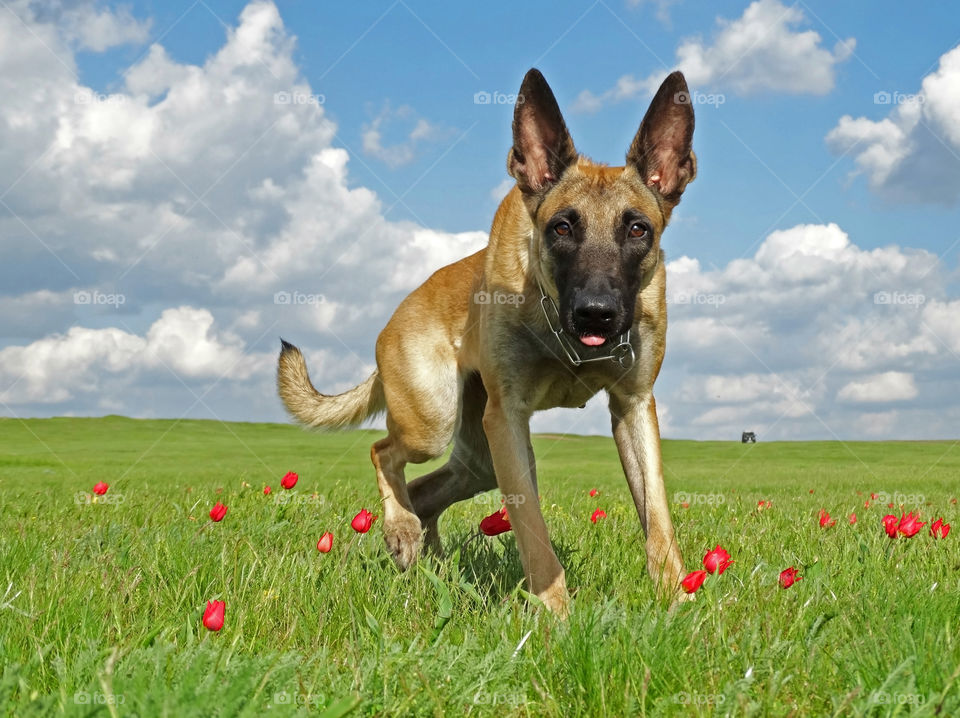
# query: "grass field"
103,599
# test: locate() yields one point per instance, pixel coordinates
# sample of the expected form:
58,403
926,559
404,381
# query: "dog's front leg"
508,434
637,434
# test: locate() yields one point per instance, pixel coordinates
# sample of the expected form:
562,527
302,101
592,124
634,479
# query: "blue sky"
811,196
434,56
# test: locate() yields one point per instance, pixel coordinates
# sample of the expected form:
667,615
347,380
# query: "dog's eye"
562,229
638,230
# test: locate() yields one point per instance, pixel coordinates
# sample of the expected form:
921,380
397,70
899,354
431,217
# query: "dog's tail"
310,407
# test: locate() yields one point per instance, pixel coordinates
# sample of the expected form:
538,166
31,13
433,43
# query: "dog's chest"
568,388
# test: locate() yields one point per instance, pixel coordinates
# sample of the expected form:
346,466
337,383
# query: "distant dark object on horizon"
748,437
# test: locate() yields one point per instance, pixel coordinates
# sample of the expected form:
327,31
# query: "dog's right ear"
542,147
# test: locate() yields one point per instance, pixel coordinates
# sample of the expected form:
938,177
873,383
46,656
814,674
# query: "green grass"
103,611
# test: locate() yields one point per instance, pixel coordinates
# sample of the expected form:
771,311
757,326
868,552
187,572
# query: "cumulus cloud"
797,337
182,340
912,154
98,29
886,387
212,198
400,153
764,50
213,187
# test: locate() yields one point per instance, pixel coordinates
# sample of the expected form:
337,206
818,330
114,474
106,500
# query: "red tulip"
598,514
100,488
939,529
594,492
218,511
890,505
289,480
866,504
910,525
890,525
825,520
362,521
685,504
874,496
717,561
694,581
213,616
853,519
325,543
496,523
811,491
266,490
788,577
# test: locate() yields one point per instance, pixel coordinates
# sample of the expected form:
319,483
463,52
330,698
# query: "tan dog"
566,300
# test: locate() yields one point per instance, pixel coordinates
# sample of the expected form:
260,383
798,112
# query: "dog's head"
598,228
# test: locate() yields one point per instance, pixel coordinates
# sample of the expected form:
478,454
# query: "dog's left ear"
542,146
662,151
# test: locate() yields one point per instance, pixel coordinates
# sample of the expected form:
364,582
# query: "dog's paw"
404,539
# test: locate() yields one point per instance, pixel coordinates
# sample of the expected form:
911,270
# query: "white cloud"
99,29
405,152
662,7
791,341
912,154
761,51
60,366
885,387
199,197
190,186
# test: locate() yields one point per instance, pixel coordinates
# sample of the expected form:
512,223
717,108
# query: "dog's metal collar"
622,353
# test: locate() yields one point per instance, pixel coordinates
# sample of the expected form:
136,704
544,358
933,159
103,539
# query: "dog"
566,300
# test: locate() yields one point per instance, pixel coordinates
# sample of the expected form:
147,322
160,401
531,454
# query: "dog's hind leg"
468,472
421,391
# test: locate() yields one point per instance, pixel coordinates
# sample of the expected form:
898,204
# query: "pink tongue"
592,340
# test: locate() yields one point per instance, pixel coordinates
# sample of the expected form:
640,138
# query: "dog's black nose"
595,312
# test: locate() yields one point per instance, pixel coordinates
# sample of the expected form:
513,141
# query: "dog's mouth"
593,340
591,336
